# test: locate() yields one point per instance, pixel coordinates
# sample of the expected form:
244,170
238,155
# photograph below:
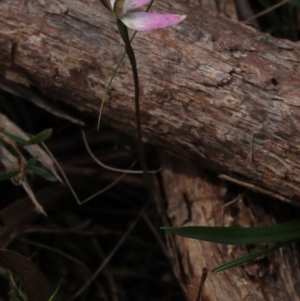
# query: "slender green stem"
117,68
115,72
110,82
130,53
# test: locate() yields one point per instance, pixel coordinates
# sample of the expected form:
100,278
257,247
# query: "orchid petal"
143,21
112,3
133,4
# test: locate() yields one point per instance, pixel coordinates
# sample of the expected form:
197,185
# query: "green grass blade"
31,162
40,137
8,175
54,294
243,259
42,173
241,236
15,138
9,148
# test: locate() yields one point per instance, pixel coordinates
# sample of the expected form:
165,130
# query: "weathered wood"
191,196
213,90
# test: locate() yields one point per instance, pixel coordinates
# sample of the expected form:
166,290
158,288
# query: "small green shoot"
30,164
55,293
43,173
8,175
9,148
15,138
243,259
41,137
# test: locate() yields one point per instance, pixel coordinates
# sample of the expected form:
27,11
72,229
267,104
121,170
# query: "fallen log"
213,90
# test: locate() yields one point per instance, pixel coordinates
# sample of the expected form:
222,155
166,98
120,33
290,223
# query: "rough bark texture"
189,197
213,90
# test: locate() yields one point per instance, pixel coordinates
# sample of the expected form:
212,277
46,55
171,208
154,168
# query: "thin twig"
257,189
202,282
110,278
61,253
112,253
79,202
266,11
127,171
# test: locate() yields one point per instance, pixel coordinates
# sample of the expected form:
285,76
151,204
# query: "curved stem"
130,53
115,72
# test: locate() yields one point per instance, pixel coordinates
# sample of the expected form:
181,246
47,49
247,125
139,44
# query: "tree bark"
213,90
189,196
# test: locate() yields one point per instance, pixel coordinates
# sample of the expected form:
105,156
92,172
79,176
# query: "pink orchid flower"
141,21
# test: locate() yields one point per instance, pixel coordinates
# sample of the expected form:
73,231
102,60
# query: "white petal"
112,3
148,21
133,4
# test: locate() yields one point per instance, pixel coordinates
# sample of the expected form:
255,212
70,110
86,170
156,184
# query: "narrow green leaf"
8,175
118,65
294,2
123,32
56,291
241,236
42,173
246,258
31,162
9,148
41,137
15,138
54,294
